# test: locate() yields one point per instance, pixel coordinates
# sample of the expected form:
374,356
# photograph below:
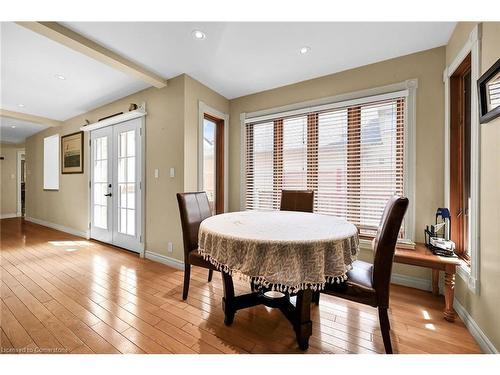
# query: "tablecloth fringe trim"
261,281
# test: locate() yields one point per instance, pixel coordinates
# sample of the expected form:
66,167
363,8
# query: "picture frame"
489,94
72,153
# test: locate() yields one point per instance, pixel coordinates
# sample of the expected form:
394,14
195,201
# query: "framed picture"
489,94
72,153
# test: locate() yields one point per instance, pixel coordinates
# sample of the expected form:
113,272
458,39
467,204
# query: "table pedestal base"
298,314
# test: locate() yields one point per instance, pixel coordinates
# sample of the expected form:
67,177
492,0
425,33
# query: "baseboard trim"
412,282
476,332
62,228
8,216
171,262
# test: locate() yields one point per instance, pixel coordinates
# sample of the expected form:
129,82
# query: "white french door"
116,196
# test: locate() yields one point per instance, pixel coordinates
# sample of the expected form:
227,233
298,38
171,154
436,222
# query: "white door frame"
110,122
202,110
20,155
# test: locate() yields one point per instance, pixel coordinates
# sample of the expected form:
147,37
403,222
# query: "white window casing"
405,89
473,47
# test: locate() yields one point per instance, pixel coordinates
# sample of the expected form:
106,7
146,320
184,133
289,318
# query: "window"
460,157
352,156
212,168
51,162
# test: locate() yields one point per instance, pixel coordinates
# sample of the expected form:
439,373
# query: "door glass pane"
126,183
100,183
209,160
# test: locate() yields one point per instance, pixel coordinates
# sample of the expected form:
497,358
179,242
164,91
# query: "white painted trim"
407,88
474,329
329,106
243,160
171,262
400,86
8,216
61,228
409,175
472,46
412,282
20,154
203,109
141,112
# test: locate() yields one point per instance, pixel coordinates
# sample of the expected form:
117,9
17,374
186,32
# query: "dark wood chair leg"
228,303
315,297
385,327
210,274
187,275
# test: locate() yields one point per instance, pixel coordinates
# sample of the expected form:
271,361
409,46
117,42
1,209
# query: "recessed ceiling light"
198,34
61,77
20,105
13,126
304,50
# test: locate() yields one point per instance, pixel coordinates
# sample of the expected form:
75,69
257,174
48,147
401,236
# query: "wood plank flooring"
62,294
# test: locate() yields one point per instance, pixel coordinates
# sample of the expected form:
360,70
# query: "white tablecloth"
285,250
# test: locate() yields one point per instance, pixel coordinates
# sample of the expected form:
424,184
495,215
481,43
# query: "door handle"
108,195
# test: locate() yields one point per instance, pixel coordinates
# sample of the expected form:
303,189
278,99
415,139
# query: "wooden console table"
423,257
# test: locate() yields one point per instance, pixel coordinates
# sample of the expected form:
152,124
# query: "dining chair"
297,200
294,200
368,283
193,208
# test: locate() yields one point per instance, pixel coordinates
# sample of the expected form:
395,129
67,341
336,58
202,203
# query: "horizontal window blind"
352,157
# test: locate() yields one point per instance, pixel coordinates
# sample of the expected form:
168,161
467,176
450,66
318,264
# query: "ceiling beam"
77,42
29,118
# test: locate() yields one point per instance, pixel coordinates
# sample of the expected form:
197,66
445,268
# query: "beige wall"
8,178
484,307
427,67
172,117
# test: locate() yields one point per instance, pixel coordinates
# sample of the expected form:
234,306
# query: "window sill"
365,243
464,271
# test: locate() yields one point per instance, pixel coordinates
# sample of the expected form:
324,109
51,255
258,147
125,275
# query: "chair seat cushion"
361,274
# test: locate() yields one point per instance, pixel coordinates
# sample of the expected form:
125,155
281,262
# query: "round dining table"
282,254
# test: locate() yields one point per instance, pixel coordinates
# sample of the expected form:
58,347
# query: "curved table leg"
228,303
449,291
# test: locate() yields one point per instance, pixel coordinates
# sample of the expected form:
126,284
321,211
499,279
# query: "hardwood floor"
62,294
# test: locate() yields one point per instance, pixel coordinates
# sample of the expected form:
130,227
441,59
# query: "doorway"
460,156
21,183
116,191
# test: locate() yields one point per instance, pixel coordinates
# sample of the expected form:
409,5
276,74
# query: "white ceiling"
235,59
29,63
21,130
240,58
